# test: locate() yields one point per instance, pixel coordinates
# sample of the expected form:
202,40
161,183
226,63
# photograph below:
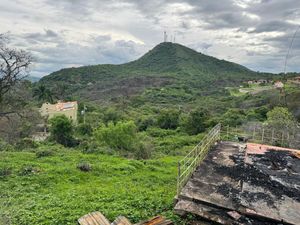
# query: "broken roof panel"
259,185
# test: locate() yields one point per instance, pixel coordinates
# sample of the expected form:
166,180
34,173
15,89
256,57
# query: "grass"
253,89
52,190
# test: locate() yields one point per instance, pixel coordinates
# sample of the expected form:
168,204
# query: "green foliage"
60,192
168,119
280,117
196,122
61,129
84,166
4,146
233,117
143,147
143,123
43,94
5,171
26,143
172,73
121,135
28,170
112,115
257,114
84,129
43,153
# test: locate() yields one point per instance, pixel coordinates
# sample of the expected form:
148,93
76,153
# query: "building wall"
51,110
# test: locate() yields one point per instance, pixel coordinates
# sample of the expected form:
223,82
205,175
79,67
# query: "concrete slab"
264,184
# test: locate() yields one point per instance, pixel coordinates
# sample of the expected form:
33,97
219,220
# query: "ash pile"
244,184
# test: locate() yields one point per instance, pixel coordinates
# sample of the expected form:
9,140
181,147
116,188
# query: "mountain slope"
170,57
166,65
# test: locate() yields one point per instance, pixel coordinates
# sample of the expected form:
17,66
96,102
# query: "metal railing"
263,135
192,160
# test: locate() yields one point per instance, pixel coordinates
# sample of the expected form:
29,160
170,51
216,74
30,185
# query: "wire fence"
283,137
257,133
192,160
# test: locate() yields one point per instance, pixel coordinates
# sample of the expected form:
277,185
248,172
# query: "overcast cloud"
66,33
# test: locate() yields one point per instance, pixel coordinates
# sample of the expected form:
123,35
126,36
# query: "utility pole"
165,36
83,113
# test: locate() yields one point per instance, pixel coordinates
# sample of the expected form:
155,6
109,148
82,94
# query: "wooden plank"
94,218
158,220
121,220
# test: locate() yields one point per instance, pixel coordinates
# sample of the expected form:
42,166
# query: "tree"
196,121
61,129
168,119
42,93
233,117
122,135
14,66
280,118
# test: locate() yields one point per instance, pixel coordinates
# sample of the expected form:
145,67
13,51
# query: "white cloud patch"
66,33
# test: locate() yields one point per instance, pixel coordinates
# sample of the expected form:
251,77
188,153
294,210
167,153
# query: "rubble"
238,185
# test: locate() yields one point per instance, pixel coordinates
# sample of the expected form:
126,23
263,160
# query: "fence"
250,132
191,161
264,135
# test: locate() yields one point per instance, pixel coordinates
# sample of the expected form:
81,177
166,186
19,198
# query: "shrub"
144,122
84,166
43,153
144,151
280,117
121,135
196,122
84,129
26,143
233,117
28,170
62,130
5,171
111,115
168,119
4,146
144,148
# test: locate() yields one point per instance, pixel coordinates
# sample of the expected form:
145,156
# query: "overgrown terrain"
50,189
135,121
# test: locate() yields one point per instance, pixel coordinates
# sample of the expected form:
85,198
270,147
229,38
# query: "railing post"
253,133
178,180
262,136
227,132
191,161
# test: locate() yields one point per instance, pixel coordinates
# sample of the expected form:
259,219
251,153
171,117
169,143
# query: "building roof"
237,183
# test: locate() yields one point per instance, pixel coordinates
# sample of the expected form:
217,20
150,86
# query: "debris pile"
236,184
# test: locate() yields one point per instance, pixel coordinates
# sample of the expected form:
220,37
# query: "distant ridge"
167,64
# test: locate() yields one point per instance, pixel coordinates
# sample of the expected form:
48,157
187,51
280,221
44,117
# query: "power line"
288,53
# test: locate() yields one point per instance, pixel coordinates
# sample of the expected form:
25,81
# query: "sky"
71,33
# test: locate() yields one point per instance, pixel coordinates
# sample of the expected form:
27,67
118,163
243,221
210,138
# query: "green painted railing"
192,160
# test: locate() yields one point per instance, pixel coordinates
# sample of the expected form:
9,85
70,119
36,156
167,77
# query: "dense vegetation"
44,186
139,119
182,72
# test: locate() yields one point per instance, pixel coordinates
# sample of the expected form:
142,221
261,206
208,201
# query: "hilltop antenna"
174,37
165,36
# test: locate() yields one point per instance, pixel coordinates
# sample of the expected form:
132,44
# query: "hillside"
167,65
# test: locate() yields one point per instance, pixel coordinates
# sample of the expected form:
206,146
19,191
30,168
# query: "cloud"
57,51
65,33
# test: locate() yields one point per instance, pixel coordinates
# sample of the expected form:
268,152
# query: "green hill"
167,65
